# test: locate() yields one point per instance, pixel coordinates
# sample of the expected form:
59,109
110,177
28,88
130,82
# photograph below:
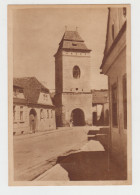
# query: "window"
45,97
124,11
113,32
114,106
51,114
47,113
125,101
41,114
76,72
74,44
14,113
21,113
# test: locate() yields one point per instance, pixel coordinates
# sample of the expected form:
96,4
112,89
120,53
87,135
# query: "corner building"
73,99
114,65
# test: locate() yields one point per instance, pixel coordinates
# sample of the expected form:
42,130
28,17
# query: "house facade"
114,65
73,98
33,109
100,107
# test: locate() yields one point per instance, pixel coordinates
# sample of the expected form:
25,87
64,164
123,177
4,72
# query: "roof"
71,40
19,101
72,36
99,96
32,88
17,86
107,51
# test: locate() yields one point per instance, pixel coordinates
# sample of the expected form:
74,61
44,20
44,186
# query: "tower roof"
71,41
72,36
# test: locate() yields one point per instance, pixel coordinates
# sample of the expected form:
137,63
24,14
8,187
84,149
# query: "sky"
38,31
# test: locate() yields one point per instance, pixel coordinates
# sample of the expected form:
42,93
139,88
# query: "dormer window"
45,97
76,72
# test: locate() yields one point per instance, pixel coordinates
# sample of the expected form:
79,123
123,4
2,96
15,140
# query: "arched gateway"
78,117
33,120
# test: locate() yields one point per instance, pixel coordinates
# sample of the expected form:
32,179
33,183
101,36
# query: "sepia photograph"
69,94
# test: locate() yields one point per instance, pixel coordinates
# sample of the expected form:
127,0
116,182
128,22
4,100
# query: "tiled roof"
72,36
71,40
32,88
99,96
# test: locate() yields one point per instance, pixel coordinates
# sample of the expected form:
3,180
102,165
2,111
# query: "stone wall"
73,101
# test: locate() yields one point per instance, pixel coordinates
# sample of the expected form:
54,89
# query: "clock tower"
73,99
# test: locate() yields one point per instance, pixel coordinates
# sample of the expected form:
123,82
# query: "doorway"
78,117
33,120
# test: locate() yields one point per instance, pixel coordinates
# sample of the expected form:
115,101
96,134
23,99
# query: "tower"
73,99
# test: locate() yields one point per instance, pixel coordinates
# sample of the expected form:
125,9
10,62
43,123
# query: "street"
76,153
35,153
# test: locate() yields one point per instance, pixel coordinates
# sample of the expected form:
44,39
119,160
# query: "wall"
82,60
58,73
118,134
115,67
18,125
45,99
46,123
72,101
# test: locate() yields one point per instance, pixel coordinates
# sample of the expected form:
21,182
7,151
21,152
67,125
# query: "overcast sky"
38,31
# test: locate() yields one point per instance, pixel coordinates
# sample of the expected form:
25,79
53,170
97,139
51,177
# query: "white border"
134,189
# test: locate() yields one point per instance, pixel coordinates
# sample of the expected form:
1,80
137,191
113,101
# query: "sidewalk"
59,129
90,163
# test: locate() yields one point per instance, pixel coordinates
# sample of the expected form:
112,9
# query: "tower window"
76,72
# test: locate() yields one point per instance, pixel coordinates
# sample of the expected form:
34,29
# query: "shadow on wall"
84,166
93,165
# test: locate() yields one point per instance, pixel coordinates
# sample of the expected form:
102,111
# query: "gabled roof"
32,88
71,40
99,96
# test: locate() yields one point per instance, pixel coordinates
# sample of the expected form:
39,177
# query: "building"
73,98
32,106
20,123
100,107
114,66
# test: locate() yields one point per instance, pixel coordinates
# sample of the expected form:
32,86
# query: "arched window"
76,72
